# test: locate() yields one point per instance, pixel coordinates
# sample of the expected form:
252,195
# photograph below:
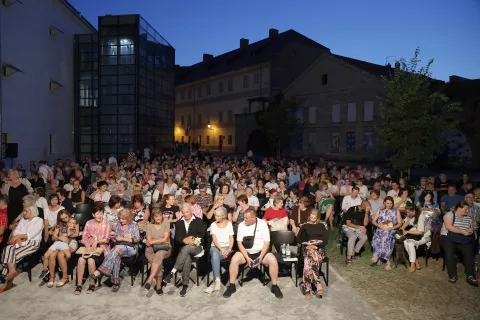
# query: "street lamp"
208,125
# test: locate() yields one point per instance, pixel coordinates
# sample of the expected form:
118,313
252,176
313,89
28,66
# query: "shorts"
254,256
73,244
58,246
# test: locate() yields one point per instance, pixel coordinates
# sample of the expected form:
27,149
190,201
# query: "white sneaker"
214,287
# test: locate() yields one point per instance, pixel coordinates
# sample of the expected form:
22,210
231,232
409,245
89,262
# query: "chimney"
207,57
272,33
244,43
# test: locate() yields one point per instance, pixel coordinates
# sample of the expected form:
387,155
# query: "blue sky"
370,30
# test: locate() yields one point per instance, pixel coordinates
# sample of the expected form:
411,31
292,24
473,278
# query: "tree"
280,123
414,115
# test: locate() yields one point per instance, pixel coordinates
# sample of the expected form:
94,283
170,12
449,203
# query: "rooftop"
248,55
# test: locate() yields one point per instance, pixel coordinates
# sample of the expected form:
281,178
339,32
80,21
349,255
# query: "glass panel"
126,119
109,51
126,89
126,80
126,69
85,38
122,109
108,110
108,129
109,100
126,41
130,59
110,41
110,70
108,139
109,80
127,129
109,90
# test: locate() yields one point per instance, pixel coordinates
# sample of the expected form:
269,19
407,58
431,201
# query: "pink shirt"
94,231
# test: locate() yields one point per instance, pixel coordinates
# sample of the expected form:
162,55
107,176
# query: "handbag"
459,238
160,247
248,241
122,243
81,251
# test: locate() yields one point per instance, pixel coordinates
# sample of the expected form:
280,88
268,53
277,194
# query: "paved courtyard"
252,301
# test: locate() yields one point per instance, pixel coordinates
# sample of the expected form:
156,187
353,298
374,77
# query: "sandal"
471,280
453,280
50,283
91,289
93,276
349,262
373,262
115,288
11,276
62,282
78,290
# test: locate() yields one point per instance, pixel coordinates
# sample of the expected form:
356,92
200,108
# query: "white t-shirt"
282,176
222,234
262,235
253,201
42,203
170,190
270,186
105,197
146,153
51,216
112,160
363,193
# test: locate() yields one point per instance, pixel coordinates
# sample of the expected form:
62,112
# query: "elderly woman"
276,216
102,195
158,248
112,209
95,238
416,230
457,234
229,196
125,238
313,236
222,244
24,240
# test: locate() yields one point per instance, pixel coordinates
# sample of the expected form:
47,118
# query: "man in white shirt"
43,170
363,189
394,192
112,160
351,200
146,154
252,200
258,229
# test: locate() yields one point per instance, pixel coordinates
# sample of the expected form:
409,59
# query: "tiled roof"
256,53
369,67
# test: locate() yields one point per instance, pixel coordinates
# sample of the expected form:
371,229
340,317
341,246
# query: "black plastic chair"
29,262
277,238
83,214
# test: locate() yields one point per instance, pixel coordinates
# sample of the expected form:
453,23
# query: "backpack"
49,174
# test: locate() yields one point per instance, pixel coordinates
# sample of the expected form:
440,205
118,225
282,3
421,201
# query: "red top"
3,221
275,214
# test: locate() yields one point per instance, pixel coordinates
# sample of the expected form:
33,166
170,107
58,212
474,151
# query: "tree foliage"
280,123
414,115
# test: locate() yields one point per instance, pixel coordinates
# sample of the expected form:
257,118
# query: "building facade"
210,93
339,108
124,88
37,90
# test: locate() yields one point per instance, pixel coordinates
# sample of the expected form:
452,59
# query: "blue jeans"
216,257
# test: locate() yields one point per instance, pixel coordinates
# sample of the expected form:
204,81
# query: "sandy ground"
252,301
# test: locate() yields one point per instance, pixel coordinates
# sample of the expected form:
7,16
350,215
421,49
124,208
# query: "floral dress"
111,265
384,240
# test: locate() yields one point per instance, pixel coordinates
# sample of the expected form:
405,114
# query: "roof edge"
79,15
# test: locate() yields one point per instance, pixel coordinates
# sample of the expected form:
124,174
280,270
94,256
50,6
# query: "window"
245,82
183,139
336,113
335,141
182,95
189,119
230,85
207,90
199,118
220,87
220,116
230,140
189,94
368,111
207,138
230,116
352,112
256,78
51,143
200,139
199,90
324,79
351,141
183,120
312,115
299,114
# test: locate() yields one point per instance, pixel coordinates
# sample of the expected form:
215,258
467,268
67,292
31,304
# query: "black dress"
15,203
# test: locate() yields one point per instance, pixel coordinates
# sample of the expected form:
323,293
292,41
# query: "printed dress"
384,240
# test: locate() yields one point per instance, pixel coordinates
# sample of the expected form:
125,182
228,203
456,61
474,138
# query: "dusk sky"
370,30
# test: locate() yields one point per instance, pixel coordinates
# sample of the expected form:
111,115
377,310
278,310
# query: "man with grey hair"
252,199
189,232
53,189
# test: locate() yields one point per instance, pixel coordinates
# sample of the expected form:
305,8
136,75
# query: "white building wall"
31,112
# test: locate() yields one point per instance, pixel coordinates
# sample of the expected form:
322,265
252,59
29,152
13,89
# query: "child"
65,233
146,194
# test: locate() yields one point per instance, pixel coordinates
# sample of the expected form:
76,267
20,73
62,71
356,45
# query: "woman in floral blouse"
125,238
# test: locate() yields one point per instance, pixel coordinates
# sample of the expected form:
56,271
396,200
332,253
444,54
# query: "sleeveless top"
77,196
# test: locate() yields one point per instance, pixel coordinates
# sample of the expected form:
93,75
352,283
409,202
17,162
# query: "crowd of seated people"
185,208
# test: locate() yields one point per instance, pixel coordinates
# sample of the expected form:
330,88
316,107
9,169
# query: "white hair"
220,212
33,211
188,206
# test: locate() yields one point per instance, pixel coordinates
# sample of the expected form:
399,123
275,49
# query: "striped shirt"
462,223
